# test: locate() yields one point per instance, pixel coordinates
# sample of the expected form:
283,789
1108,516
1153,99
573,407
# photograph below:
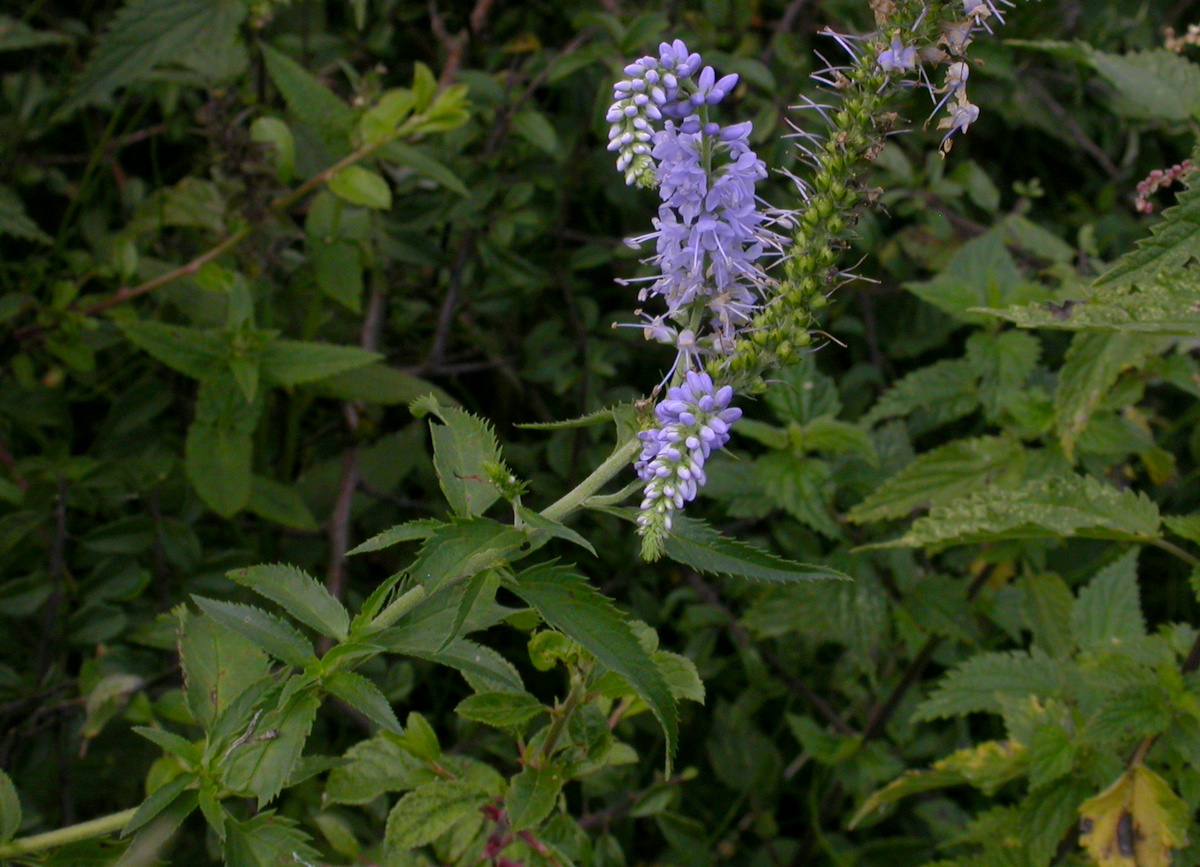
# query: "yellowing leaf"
1135,822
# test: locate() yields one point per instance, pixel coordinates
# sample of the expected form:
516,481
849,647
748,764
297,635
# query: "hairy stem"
573,499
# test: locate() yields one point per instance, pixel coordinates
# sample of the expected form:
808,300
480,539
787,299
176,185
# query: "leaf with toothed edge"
694,543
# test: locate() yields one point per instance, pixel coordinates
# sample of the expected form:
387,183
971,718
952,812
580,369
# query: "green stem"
562,715
101,827
400,607
1172,548
573,499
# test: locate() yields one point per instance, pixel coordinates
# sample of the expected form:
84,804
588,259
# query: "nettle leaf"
219,446
309,101
541,529
463,548
985,681
218,666
15,223
1137,820
265,631
299,594
940,476
802,393
296,362
505,710
532,795
360,693
146,33
569,604
1090,369
1057,507
1046,604
379,384
1108,612
462,445
431,810
696,544
799,485
484,669
10,809
944,391
980,273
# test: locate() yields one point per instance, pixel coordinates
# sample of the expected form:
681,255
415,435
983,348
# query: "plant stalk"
101,827
573,499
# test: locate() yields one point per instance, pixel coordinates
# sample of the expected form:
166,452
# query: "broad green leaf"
262,764
981,273
1108,612
360,693
374,767
430,810
1047,604
569,604
1056,507
1090,369
1137,820
532,795
218,666
299,594
945,390
191,202
360,186
267,840
939,476
803,393
381,384
106,699
833,437
191,351
380,121
265,631
695,544
461,549
219,446
505,710
276,134
800,485
10,809
538,131
279,503
409,531
484,669
985,680
540,528
145,33
295,362
462,445
420,162
309,101
1052,753
338,266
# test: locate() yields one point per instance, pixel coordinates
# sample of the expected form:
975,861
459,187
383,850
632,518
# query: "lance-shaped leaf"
194,352
532,795
1058,507
265,631
462,447
218,666
568,603
360,693
695,544
295,362
985,681
299,594
409,531
219,446
262,762
10,809
463,548
310,101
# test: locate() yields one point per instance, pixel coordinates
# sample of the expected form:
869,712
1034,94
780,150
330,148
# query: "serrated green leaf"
463,548
800,393
265,631
409,531
484,669
309,101
984,681
541,528
299,594
1047,605
800,485
940,476
506,710
219,446
262,764
360,693
191,351
374,767
945,390
15,223
571,605
1052,752
338,267
1090,368
145,33
266,840
360,186
10,809
1187,526
170,742
431,810
981,273
462,447
218,666
1057,507
160,800
532,795
1108,611
695,544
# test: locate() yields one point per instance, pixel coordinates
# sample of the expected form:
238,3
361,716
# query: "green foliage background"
238,238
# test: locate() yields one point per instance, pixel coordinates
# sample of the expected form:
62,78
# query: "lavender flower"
897,58
695,423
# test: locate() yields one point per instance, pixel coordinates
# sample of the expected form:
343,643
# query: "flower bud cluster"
657,88
695,422
1157,180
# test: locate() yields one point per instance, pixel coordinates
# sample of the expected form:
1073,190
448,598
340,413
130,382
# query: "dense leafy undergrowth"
299,565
